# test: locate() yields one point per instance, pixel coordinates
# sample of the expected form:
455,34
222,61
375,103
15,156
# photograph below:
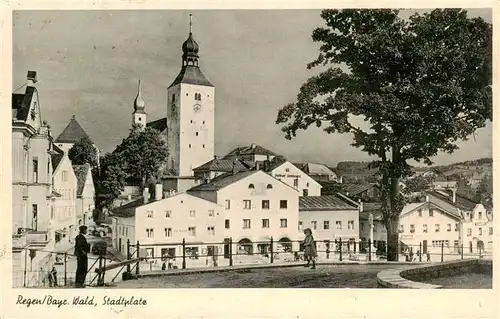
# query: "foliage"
141,156
484,191
419,183
420,84
83,152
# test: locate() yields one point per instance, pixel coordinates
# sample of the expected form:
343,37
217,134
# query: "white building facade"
296,178
256,207
161,226
330,218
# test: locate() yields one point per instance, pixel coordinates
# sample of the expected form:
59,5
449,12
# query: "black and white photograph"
312,148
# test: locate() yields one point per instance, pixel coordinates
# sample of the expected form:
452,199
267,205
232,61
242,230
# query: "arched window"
269,186
251,186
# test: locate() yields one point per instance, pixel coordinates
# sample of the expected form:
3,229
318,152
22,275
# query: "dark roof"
56,156
222,181
81,172
253,149
128,210
72,133
315,203
191,74
160,124
21,104
461,201
222,165
355,189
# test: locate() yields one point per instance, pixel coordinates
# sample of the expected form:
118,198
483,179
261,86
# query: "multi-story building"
330,218
85,194
31,183
164,223
476,221
64,182
256,207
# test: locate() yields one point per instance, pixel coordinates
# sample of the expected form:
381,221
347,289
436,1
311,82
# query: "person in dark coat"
309,249
82,248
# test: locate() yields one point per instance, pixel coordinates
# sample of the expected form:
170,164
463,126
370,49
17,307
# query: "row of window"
247,223
201,146
168,213
326,224
191,232
266,204
437,228
197,97
468,215
479,231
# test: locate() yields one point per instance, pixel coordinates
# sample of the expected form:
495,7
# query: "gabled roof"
56,157
191,74
321,203
72,133
128,210
160,124
21,104
252,149
317,169
461,201
431,203
222,181
222,165
81,172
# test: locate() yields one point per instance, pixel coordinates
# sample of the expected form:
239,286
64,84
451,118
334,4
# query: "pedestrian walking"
428,256
82,248
309,249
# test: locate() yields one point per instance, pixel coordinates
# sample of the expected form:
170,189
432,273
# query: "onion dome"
139,103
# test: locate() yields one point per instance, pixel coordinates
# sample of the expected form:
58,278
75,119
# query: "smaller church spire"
139,101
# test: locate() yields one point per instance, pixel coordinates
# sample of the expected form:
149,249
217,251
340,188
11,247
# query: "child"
309,248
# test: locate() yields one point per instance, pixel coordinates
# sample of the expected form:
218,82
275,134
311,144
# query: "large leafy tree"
420,84
140,157
83,152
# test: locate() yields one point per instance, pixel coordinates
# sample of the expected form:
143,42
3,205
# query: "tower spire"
139,101
190,23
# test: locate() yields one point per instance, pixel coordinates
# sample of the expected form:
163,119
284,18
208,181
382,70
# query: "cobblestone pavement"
327,276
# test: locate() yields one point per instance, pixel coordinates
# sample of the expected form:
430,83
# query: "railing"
188,255
65,271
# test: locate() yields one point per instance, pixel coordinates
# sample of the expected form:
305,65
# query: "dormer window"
251,186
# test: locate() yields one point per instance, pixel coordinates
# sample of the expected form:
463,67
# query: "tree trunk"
392,226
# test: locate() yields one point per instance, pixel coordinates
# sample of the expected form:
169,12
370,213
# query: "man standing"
82,248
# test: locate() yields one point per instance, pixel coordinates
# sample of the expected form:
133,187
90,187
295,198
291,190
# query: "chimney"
360,206
216,157
158,191
454,195
426,198
32,79
253,145
257,166
145,195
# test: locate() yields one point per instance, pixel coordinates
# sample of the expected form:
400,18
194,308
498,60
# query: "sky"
89,64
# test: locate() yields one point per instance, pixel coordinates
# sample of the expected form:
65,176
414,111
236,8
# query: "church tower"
139,115
190,114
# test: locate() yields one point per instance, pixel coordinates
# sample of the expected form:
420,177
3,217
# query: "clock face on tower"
197,107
